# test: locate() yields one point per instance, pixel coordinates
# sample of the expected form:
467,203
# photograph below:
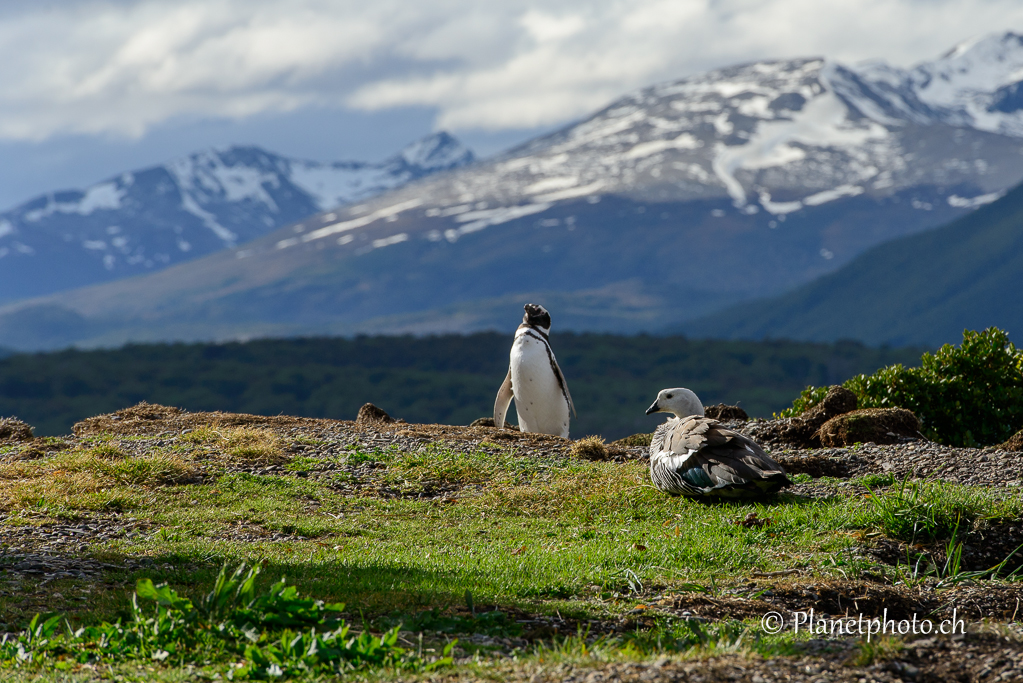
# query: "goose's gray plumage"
691,455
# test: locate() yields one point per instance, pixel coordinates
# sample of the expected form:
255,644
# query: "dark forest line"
449,379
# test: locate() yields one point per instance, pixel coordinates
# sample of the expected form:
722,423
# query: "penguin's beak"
652,409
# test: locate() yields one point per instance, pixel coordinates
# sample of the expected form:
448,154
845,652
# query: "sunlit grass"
251,445
936,511
97,478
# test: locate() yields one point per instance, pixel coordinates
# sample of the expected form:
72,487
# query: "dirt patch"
801,431
489,422
370,413
999,601
152,420
975,657
815,465
1015,442
725,412
825,597
877,425
144,418
34,449
981,654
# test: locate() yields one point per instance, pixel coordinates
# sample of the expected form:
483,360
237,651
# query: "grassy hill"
444,379
924,289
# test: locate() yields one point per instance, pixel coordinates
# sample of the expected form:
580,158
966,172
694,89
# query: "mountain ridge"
143,220
671,202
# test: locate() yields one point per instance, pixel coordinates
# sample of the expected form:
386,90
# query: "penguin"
695,456
534,379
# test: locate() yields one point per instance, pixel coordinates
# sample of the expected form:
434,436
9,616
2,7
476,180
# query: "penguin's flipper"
503,400
564,386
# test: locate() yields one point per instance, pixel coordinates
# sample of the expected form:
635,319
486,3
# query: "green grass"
97,478
923,512
511,533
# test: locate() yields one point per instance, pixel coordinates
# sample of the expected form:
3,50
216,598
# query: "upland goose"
691,455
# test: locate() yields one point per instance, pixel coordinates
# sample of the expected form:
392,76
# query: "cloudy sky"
92,88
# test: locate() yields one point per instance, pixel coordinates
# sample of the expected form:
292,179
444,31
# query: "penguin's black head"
537,316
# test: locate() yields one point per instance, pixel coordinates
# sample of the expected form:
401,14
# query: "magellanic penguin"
534,379
695,456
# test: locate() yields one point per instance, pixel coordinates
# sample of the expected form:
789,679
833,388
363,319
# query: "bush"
970,395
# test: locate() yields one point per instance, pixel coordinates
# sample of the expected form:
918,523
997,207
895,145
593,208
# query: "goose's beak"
652,409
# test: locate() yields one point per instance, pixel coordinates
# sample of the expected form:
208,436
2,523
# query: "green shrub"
970,395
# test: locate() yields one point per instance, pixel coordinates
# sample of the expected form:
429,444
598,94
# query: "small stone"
489,422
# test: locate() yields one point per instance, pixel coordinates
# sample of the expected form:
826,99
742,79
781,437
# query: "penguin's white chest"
539,399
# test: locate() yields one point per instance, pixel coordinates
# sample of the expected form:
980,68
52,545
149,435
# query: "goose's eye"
670,395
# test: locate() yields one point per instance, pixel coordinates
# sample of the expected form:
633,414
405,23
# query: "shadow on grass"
369,590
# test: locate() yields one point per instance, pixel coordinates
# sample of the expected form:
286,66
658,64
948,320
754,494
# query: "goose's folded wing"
695,434
678,480
698,454
745,457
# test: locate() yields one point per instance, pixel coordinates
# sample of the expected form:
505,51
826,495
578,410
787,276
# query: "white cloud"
121,67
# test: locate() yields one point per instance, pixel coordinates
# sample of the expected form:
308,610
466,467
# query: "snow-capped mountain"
672,202
976,84
779,136
148,219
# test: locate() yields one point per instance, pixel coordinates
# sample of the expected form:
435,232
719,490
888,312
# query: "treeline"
449,379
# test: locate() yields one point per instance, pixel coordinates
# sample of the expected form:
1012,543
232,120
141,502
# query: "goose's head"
681,402
537,316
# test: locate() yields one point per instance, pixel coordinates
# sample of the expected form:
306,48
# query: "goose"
692,455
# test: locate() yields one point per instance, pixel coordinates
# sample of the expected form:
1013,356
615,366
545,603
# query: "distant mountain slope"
671,203
146,220
925,289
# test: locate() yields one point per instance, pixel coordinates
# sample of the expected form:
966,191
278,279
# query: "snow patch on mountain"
345,226
979,81
104,196
478,220
333,185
